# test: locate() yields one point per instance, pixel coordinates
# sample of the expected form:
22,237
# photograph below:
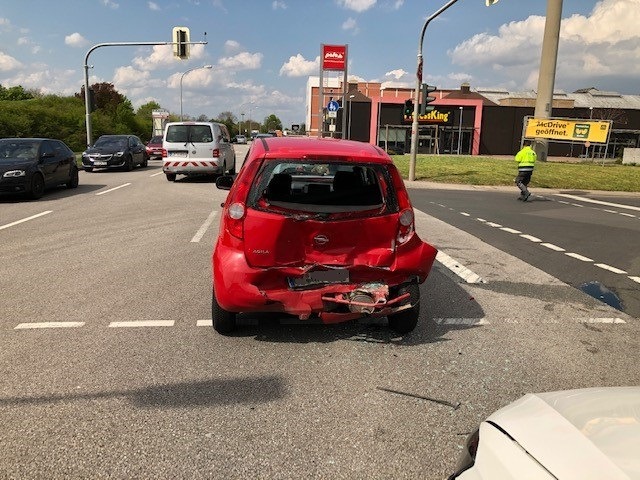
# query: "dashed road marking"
460,270
142,323
35,325
531,238
203,229
17,222
112,189
604,266
577,256
551,246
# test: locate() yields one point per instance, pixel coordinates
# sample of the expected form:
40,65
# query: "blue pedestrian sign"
333,106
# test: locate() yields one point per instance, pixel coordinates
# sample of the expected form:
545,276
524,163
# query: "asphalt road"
110,367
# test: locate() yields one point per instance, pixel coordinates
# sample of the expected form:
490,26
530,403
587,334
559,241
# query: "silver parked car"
584,434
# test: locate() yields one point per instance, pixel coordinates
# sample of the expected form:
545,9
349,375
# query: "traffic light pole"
416,94
87,106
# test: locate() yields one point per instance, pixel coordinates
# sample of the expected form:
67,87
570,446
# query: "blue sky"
263,51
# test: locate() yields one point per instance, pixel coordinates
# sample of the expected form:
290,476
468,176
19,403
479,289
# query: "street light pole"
242,123
350,97
416,94
182,77
460,132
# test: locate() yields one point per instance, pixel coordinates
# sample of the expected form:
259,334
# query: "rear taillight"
235,219
164,153
236,211
406,226
215,152
406,219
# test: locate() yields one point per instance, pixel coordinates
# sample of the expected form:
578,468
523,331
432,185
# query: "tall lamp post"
242,123
182,77
350,98
416,94
460,132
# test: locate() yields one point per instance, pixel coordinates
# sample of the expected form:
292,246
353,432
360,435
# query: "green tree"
15,93
272,123
230,120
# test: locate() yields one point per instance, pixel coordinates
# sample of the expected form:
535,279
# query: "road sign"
333,106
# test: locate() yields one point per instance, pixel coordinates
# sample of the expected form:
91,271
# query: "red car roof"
309,147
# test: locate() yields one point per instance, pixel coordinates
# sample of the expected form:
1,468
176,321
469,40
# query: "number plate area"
99,163
178,154
320,277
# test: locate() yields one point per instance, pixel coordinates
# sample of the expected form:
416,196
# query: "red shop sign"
334,57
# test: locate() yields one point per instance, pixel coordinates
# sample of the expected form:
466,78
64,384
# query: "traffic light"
408,109
181,42
426,99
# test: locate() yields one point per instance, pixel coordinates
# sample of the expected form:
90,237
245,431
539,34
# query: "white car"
586,434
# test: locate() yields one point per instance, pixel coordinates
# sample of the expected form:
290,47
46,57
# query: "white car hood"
591,433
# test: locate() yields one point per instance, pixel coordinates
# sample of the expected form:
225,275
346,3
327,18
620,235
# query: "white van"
193,148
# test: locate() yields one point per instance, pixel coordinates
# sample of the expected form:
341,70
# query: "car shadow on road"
229,391
441,296
53,193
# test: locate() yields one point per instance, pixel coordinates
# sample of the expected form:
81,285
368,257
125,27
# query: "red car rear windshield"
322,187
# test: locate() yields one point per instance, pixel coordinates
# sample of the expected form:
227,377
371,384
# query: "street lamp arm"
86,74
416,95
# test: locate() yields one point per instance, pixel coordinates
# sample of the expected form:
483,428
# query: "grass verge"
477,170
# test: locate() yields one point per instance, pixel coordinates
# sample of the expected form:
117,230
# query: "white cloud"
278,4
397,74
8,63
242,61
199,78
153,6
297,66
75,40
231,46
129,76
162,56
356,5
110,4
350,24
605,43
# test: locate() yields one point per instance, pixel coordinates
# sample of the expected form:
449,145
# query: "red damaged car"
318,228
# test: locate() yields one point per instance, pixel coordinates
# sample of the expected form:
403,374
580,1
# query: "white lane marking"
112,189
33,325
625,214
481,219
142,323
531,238
604,266
203,229
603,320
156,174
553,247
510,230
17,222
461,321
578,256
204,323
461,271
465,214
493,224
599,202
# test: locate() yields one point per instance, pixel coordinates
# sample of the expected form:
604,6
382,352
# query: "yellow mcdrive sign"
572,130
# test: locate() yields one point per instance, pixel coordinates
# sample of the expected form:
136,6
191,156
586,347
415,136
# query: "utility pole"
547,73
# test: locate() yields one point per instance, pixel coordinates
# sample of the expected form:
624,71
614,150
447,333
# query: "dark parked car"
29,165
115,151
154,147
318,228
